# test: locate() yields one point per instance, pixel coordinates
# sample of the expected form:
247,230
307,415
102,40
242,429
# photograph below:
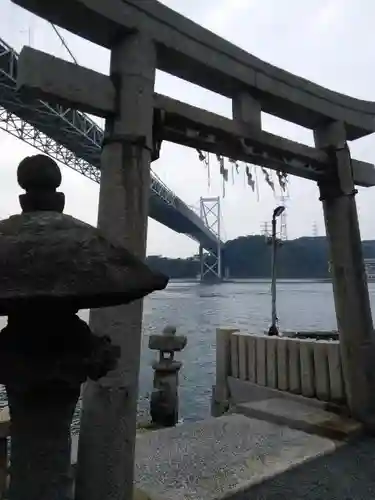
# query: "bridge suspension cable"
66,46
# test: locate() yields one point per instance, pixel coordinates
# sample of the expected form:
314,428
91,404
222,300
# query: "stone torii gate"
146,35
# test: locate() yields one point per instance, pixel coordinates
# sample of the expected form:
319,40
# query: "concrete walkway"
241,457
346,474
220,457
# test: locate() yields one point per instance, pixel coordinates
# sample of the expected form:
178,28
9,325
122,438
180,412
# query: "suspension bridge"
73,139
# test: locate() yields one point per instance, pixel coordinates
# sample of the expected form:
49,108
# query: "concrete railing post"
164,398
220,392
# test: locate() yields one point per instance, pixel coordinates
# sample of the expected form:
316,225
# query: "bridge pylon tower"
211,260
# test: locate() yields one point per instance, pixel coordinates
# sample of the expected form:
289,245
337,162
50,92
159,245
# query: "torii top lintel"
193,53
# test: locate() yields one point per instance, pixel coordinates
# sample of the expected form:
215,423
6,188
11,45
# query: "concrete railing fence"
305,367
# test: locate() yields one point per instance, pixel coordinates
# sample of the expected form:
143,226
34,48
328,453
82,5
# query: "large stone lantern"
52,265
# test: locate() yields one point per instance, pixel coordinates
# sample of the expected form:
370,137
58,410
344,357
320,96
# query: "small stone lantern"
164,398
52,265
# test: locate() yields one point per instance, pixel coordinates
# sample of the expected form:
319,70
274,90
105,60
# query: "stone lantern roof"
51,259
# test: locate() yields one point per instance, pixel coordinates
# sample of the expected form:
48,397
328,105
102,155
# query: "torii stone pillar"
351,295
109,410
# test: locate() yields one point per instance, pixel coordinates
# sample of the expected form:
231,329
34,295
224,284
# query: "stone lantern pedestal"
164,398
43,363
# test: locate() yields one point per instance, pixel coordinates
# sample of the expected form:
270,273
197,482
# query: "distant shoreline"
256,280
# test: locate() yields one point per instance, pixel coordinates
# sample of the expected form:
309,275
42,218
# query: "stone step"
300,416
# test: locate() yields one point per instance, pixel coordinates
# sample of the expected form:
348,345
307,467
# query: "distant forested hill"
250,256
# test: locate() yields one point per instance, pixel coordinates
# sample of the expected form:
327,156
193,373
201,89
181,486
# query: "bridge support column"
348,275
109,409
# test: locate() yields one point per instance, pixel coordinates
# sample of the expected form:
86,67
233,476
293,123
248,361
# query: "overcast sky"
330,42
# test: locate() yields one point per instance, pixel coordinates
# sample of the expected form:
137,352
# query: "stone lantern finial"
40,176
